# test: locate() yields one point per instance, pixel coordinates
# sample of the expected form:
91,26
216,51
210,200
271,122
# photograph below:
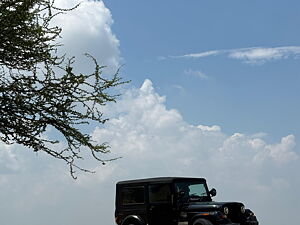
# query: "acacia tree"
39,89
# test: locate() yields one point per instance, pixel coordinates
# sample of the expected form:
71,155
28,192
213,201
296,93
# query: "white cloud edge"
88,29
252,55
146,100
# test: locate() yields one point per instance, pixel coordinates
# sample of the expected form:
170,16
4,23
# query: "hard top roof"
157,180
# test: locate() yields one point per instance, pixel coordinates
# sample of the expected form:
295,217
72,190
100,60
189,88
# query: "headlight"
226,210
243,209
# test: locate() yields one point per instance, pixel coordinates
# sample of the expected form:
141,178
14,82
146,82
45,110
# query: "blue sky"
214,93
252,98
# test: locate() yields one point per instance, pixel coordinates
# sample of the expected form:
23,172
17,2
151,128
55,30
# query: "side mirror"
213,192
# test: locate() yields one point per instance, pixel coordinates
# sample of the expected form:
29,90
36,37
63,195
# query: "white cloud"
87,29
261,55
156,141
255,55
282,152
208,128
200,55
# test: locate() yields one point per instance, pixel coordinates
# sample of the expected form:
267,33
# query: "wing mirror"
213,192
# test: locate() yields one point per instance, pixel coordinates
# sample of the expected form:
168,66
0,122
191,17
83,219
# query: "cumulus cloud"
254,55
156,141
87,29
282,152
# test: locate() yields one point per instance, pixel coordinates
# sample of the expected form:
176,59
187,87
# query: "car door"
160,207
132,201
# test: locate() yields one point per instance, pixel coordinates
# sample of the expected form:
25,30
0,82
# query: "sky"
213,93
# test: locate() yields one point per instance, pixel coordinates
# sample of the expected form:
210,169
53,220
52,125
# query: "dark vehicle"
175,201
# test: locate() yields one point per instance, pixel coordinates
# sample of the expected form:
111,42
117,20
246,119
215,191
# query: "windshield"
191,191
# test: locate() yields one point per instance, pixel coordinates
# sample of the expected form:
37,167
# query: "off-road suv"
175,201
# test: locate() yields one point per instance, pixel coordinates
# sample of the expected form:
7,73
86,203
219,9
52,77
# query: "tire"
202,222
131,223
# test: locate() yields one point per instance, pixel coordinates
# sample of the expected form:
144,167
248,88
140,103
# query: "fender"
250,217
134,218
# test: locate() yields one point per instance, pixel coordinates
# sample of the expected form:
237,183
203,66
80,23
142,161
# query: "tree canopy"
39,88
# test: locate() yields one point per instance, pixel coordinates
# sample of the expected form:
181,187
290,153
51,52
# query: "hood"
212,206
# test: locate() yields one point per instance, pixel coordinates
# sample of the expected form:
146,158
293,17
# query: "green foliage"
26,37
39,89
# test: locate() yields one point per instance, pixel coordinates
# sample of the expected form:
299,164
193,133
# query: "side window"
132,195
159,193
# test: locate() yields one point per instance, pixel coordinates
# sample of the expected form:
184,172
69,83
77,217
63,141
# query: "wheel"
202,222
131,223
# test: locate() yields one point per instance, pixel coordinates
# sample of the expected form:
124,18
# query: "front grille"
235,214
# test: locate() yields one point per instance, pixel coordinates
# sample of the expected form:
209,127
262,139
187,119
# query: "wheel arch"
133,218
210,218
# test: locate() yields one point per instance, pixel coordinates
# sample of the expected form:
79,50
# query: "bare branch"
39,89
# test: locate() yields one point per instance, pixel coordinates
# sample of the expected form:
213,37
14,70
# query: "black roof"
157,180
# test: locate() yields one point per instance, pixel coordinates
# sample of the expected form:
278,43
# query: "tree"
39,89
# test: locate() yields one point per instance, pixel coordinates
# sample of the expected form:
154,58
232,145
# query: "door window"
159,193
132,195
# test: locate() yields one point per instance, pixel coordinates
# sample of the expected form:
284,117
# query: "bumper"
245,223
251,223
186,223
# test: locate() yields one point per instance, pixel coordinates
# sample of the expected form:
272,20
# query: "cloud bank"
254,55
153,141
